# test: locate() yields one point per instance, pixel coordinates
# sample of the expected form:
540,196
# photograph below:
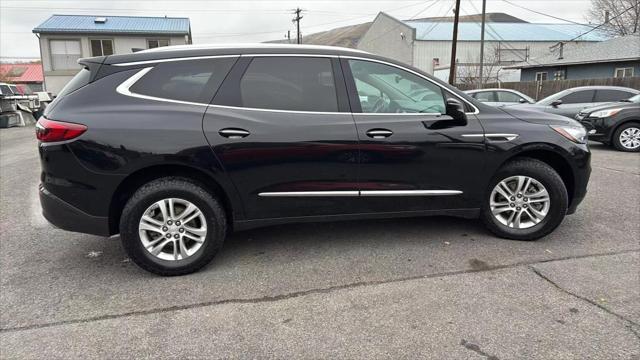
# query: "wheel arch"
620,124
553,157
133,181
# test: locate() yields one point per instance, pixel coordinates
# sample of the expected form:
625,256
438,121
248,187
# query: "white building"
66,38
426,43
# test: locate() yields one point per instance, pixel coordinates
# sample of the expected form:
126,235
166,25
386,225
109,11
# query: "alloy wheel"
520,202
172,229
630,138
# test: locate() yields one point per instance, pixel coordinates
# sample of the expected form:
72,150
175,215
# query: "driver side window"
387,89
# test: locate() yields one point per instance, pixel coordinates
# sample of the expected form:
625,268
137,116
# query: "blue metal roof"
470,31
114,24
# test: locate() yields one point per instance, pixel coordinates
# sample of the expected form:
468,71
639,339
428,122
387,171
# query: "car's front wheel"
526,200
627,137
172,226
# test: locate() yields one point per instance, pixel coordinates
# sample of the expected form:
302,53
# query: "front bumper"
67,217
598,128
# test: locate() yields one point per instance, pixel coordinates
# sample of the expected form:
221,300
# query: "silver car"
500,97
569,102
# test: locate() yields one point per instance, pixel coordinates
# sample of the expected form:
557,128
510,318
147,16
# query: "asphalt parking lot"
402,288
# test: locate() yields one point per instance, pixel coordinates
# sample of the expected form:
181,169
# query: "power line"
547,15
603,24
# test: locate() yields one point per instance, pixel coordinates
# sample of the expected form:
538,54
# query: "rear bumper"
67,217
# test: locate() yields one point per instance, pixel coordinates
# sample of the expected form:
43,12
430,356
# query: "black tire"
615,140
549,178
172,187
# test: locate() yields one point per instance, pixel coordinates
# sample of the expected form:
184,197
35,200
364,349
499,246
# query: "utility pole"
452,68
484,12
296,20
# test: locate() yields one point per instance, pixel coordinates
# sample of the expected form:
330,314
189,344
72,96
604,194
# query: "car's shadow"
338,237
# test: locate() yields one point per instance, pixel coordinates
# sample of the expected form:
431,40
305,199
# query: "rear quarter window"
191,80
612,95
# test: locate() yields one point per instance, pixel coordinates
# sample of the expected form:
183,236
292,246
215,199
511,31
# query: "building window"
154,43
65,54
101,47
559,75
623,72
541,76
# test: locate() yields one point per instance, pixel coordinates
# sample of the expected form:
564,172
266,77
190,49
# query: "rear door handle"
379,133
233,133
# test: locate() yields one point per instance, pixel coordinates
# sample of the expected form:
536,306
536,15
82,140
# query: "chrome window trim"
290,55
157,61
123,88
366,193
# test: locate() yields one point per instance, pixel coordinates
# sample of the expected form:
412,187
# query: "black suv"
174,148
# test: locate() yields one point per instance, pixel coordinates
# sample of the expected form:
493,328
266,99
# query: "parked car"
500,97
174,148
617,124
569,102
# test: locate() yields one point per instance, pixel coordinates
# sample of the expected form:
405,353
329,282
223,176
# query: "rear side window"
585,96
289,83
486,96
81,79
612,95
505,96
192,80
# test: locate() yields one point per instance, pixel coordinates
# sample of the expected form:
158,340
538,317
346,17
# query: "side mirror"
522,101
555,103
455,109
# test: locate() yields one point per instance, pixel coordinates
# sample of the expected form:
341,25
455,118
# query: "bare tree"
623,15
468,74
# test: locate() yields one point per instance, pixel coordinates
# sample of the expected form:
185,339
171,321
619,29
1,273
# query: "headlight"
577,134
604,113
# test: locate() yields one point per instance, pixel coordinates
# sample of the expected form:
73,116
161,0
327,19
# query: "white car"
500,97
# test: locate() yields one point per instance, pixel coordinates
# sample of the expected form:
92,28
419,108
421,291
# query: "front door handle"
233,133
379,133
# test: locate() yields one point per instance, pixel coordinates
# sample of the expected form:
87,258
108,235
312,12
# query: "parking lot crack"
629,324
475,348
315,291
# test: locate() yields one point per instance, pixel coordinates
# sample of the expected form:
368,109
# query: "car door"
412,157
508,98
572,103
282,129
487,97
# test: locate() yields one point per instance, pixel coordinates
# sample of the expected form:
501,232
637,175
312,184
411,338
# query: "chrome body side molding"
308,193
361,193
495,137
409,192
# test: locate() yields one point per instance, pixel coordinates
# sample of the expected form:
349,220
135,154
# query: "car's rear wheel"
526,200
172,226
627,137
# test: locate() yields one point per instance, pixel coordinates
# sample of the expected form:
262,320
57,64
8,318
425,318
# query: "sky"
244,21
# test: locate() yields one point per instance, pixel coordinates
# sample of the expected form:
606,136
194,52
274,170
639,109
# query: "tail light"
51,130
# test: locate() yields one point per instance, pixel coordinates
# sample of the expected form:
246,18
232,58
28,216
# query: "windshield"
549,99
634,99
